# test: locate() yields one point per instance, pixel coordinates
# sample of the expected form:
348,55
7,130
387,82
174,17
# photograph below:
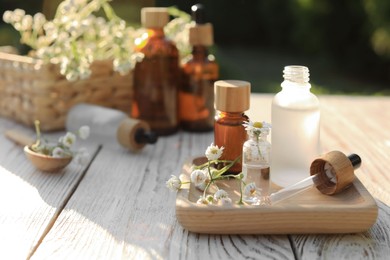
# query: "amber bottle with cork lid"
200,71
231,101
156,77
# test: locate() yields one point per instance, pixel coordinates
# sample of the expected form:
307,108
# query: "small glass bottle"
256,153
156,77
232,98
110,127
295,116
196,94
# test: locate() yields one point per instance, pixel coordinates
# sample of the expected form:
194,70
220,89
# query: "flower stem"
207,187
240,201
38,133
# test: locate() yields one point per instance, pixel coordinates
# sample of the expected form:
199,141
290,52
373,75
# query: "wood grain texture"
122,209
373,244
310,212
30,200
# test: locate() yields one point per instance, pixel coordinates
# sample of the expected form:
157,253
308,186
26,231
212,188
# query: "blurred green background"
345,43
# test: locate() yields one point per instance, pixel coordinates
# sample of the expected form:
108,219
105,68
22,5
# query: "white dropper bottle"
295,116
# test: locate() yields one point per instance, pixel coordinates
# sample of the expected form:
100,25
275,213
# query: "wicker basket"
31,89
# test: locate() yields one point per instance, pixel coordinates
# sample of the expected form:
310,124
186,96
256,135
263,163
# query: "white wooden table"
118,206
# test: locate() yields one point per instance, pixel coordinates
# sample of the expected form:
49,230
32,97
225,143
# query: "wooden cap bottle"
232,95
342,167
154,17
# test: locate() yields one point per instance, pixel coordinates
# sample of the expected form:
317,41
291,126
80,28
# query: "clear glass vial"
256,155
295,116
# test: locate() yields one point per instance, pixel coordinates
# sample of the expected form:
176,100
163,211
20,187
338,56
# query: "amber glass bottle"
156,77
196,94
231,100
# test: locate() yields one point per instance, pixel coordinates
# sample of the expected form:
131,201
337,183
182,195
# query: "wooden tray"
353,210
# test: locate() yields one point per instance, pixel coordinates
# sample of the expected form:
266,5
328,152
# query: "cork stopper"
128,134
342,168
201,34
154,17
232,95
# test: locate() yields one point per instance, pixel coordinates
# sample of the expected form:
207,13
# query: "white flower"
220,194
257,127
198,177
225,201
83,156
7,16
58,152
213,152
174,183
250,189
68,140
210,199
202,200
202,186
84,132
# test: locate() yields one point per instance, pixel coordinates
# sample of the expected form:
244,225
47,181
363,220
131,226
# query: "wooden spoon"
46,163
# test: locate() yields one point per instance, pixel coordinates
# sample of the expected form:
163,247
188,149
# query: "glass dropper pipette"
313,180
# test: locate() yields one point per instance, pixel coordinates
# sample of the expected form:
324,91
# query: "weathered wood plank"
30,200
373,244
123,209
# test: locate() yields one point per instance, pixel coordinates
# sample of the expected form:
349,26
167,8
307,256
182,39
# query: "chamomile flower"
174,183
214,152
220,194
68,140
210,199
250,189
58,152
257,127
202,200
225,201
198,177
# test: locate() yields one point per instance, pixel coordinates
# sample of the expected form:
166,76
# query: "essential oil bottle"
232,99
295,139
156,77
196,95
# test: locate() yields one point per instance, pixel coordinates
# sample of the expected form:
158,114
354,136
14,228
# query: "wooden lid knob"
342,169
126,133
232,95
154,17
201,34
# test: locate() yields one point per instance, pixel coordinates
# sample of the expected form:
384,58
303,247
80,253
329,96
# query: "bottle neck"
296,74
199,52
257,137
296,79
223,114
